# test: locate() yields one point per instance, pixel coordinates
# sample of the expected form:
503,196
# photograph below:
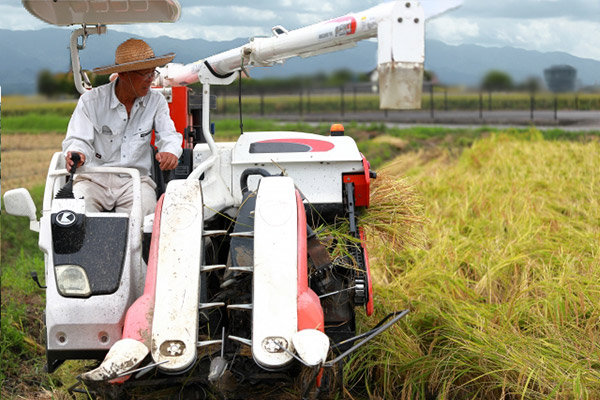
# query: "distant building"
560,78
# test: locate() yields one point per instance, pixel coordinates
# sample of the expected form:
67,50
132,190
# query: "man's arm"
168,140
80,136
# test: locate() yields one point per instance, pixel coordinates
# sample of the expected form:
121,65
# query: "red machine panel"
362,183
179,110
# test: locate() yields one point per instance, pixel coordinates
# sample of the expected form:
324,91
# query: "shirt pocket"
107,144
140,144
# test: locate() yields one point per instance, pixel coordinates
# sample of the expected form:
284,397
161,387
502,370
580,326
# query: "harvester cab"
236,281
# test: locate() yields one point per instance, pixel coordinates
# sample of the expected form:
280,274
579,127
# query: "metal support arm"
82,82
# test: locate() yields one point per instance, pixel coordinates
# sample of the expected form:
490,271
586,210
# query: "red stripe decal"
310,312
138,320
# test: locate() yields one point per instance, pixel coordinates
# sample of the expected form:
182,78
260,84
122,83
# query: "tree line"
61,84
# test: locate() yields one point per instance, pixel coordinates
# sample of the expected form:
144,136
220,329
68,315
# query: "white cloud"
234,32
208,16
17,18
579,38
452,30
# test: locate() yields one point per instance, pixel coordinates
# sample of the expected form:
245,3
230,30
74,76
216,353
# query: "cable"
240,102
212,71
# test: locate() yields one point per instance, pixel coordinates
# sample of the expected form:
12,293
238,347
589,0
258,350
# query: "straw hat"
133,55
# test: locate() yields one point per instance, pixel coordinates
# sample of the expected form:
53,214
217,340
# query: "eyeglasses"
147,75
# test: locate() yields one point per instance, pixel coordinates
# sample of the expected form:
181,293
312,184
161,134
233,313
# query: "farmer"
112,127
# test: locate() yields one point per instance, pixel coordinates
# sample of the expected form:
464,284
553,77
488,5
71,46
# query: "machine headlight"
72,281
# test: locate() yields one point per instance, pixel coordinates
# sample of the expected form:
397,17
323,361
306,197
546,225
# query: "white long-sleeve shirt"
101,130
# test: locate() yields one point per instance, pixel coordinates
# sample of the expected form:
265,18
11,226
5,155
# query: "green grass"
16,236
35,123
505,290
21,343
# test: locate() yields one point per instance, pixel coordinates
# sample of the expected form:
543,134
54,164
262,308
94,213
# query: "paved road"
568,120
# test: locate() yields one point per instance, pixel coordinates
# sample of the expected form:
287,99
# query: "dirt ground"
25,158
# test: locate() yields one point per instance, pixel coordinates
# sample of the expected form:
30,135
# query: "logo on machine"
66,218
345,26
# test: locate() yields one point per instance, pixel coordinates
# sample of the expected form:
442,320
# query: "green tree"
98,80
364,77
67,84
47,84
429,76
341,77
496,80
531,84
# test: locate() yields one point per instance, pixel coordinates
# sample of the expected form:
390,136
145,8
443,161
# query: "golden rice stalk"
395,216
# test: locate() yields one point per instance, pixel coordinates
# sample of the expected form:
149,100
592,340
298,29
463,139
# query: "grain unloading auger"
234,285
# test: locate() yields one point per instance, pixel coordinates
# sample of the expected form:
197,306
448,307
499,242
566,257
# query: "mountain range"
25,53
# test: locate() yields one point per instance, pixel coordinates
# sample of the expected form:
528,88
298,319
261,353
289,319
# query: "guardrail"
361,98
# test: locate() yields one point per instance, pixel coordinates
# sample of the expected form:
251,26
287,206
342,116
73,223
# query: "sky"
571,26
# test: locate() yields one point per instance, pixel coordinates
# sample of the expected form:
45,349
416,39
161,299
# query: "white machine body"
305,158
81,323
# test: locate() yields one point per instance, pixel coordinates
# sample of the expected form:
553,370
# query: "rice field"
26,157
504,287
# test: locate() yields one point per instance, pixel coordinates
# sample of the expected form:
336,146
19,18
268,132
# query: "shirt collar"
143,100
114,101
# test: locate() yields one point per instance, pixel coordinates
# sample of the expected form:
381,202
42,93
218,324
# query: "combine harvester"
235,289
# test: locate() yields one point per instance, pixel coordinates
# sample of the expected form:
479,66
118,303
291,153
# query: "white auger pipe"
315,39
323,37
398,25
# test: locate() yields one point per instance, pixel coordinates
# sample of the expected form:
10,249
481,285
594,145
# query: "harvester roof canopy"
103,12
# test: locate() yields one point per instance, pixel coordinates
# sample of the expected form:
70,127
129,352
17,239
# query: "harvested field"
25,158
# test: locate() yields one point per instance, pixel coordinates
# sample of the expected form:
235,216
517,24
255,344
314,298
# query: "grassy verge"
34,123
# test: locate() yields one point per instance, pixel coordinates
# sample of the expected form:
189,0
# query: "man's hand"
166,160
69,161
